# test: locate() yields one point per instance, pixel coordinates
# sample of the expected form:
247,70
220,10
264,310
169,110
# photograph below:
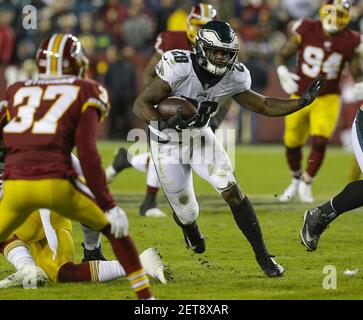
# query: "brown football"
168,108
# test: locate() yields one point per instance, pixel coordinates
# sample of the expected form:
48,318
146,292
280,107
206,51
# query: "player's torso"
191,85
320,54
39,135
171,40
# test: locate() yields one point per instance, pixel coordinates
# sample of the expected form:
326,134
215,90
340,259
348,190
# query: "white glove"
287,79
358,90
118,221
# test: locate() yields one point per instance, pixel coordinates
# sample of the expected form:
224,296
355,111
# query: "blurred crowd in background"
119,35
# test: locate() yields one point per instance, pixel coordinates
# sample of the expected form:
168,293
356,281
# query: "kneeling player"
49,238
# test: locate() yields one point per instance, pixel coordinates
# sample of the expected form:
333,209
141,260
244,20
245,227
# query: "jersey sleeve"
90,160
163,42
174,67
297,29
240,79
97,97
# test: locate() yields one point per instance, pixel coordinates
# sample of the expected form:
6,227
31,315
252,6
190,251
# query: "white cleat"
290,191
305,193
152,264
28,277
155,213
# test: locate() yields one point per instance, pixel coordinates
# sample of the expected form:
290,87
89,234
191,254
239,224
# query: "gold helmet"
198,16
335,15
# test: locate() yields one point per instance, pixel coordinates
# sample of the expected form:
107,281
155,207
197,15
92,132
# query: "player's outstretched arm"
155,91
274,107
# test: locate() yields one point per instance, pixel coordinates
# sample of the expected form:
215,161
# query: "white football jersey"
176,68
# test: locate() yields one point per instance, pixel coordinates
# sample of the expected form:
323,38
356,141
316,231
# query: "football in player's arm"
166,41
211,72
46,118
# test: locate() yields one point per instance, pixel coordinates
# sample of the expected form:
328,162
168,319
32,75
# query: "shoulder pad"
178,60
96,96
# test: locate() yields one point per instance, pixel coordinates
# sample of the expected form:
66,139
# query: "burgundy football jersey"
171,40
39,121
320,54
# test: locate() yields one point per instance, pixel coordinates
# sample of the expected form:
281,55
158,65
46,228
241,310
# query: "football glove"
358,90
287,79
311,93
176,122
118,221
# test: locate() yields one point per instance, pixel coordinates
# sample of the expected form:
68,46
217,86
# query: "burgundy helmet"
62,54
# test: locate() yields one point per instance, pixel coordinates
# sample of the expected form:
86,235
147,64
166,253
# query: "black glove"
311,93
176,122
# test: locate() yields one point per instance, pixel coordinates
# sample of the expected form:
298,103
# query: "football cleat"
153,265
290,191
120,161
155,213
314,225
148,203
92,255
28,277
193,238
305,192
269,266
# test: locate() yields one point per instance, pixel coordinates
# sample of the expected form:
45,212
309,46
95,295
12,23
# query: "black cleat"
120,161
269,266
193,238
148,203
92,255
315,223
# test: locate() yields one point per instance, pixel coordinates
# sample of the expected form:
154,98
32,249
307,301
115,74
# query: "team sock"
151,191
294,157
140,161
350,198
91,271
17,253
317,154
127,255
247,222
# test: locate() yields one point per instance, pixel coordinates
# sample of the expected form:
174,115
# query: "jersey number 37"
27,100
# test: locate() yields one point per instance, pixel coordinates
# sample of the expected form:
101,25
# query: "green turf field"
228,270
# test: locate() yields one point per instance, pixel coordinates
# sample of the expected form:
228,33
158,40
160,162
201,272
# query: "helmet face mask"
335,15
198,16
216,47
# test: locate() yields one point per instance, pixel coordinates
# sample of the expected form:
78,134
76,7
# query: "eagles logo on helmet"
216,47
62,54
197,17
335,15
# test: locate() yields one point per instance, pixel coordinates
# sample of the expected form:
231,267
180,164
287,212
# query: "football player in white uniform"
206,77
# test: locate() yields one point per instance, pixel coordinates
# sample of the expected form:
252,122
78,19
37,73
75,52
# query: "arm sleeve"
90,159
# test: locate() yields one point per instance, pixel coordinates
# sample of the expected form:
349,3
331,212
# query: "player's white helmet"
216,47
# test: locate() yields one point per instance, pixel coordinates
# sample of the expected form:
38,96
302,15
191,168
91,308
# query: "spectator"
122,90
139,27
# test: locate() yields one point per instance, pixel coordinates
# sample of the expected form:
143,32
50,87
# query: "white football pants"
174,162
357,138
